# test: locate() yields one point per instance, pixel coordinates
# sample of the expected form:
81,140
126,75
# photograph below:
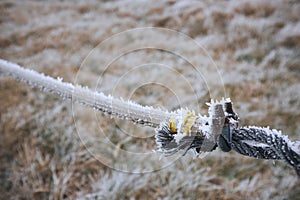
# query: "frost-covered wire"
145,115
252,141
266,144
114,107
180,130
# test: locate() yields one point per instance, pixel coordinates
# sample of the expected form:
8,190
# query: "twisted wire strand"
264,143
167,144
256,142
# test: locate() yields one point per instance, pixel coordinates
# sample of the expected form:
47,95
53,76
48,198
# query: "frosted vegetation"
256,48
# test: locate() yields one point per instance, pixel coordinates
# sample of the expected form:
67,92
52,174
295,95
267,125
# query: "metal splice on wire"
196,134
252,141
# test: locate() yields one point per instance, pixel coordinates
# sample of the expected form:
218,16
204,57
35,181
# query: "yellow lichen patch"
172,126
188,122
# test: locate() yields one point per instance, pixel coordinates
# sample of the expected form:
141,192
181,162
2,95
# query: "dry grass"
255,45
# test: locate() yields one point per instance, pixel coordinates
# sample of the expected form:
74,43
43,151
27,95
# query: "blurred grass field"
256,46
